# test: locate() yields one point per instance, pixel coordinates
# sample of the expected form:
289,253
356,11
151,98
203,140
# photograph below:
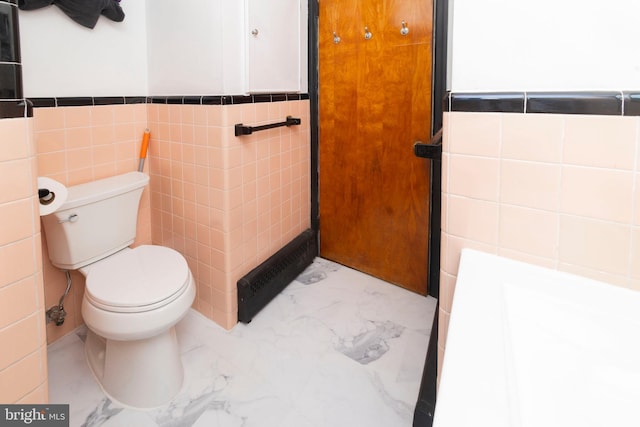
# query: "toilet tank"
98,219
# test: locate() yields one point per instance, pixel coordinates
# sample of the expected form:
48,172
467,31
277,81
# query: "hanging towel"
84,12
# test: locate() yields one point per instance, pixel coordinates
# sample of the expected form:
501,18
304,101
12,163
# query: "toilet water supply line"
56,313
143,149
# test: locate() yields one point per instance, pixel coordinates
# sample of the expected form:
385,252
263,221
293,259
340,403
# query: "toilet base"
140,374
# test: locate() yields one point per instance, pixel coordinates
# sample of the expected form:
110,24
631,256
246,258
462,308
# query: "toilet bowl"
132,302
133,296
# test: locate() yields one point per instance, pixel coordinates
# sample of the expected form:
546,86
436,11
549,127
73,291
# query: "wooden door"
375,101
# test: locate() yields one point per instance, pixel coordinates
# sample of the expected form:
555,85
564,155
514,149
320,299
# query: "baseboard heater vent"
263,283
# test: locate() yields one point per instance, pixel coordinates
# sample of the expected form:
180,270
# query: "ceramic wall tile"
473,219
475,134
597,193
530,184
566,187
531,231
232,179
475,177
600,141
595,244
532,137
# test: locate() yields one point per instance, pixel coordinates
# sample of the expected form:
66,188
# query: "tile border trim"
174,100
14,108
608,103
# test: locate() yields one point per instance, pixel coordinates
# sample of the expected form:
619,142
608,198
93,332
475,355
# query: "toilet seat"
141,279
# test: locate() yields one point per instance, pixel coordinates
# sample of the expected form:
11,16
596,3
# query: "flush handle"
71,218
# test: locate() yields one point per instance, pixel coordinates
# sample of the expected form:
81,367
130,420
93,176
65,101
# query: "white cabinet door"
273,45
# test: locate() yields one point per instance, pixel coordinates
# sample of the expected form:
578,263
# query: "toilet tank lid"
89,192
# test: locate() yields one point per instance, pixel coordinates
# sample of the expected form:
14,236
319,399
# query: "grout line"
560,178
499,196
635,204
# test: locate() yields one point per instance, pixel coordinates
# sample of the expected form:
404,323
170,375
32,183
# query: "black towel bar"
248,130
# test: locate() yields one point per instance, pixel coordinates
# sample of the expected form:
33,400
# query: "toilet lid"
139,277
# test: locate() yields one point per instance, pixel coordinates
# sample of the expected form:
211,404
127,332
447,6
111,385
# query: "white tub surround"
529,346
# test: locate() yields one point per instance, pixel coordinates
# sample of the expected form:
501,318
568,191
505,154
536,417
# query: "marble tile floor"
336,348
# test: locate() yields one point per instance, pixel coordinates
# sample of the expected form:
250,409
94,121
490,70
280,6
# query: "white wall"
163,47
185,47
554,45
62,58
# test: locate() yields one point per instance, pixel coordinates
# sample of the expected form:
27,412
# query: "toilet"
133,297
